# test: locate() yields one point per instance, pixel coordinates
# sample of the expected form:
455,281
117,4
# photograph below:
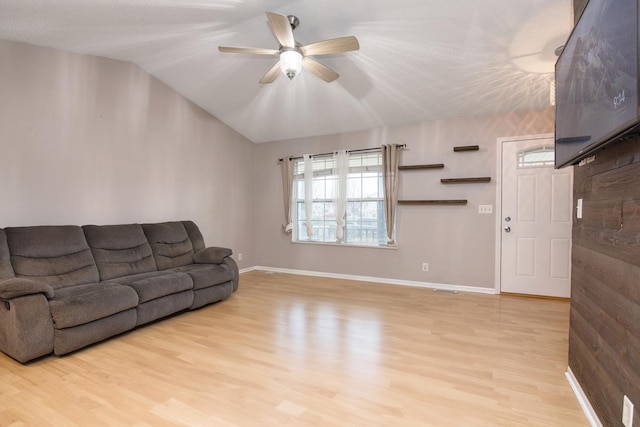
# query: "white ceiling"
418,60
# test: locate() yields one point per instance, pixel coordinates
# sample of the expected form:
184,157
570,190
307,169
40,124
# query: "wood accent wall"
604,333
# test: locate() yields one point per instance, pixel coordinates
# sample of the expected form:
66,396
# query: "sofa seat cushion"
80,304
205,275
157,284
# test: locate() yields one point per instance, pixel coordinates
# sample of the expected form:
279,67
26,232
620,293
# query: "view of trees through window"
364,217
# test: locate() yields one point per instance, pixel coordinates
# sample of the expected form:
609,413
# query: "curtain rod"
348,151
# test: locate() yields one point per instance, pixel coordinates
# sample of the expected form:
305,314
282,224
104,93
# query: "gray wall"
457,242
92,140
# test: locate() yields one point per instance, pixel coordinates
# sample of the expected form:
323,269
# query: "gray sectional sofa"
65,287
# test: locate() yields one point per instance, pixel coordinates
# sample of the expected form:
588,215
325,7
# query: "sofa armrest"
211,255
18,287
26,327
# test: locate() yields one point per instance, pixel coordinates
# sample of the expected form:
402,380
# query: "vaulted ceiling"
418,60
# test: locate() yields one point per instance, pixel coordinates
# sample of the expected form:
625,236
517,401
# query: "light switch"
579,209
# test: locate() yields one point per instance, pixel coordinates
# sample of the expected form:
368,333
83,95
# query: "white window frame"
366,164
537,157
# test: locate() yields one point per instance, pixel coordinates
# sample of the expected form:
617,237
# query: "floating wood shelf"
416,167
432,202
465,180
467,148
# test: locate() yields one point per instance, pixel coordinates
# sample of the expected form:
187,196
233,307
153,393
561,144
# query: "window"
536,157
364,218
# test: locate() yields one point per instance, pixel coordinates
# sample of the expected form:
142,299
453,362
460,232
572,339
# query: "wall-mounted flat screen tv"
596,80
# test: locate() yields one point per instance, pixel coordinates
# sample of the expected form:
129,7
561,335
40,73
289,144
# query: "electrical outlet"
240,257
627,412
425,266
485,209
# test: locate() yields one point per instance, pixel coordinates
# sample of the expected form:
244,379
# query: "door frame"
499,144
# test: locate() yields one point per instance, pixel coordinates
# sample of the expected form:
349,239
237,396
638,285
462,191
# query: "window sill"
341,245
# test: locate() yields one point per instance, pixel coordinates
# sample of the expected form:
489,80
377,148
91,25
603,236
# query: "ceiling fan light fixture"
290,63
293,56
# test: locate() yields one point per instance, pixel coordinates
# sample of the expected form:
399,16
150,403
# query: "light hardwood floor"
305,351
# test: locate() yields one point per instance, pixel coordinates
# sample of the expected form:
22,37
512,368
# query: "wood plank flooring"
290,350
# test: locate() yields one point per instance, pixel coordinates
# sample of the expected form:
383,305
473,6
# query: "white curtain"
308,192
287,190
340,170
390,160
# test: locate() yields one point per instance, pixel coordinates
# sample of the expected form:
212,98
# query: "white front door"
536,214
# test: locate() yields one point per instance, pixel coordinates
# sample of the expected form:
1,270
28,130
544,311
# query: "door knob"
507,229
508,219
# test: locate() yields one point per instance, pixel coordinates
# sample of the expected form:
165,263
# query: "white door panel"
536,222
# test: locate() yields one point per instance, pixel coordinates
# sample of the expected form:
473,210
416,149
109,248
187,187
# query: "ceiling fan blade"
281,29
249,50
341,44
321,71
271,75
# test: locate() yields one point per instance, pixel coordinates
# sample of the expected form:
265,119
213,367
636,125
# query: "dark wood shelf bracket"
466,148
465,180
417,167
432,202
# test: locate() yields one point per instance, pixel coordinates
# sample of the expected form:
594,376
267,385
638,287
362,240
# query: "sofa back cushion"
119,250
170,244
6,271
56,255
194,234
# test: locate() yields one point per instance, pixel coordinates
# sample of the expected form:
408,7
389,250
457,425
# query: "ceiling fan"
293,55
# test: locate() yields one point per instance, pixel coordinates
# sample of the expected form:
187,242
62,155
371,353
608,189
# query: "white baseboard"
436,286
582,399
